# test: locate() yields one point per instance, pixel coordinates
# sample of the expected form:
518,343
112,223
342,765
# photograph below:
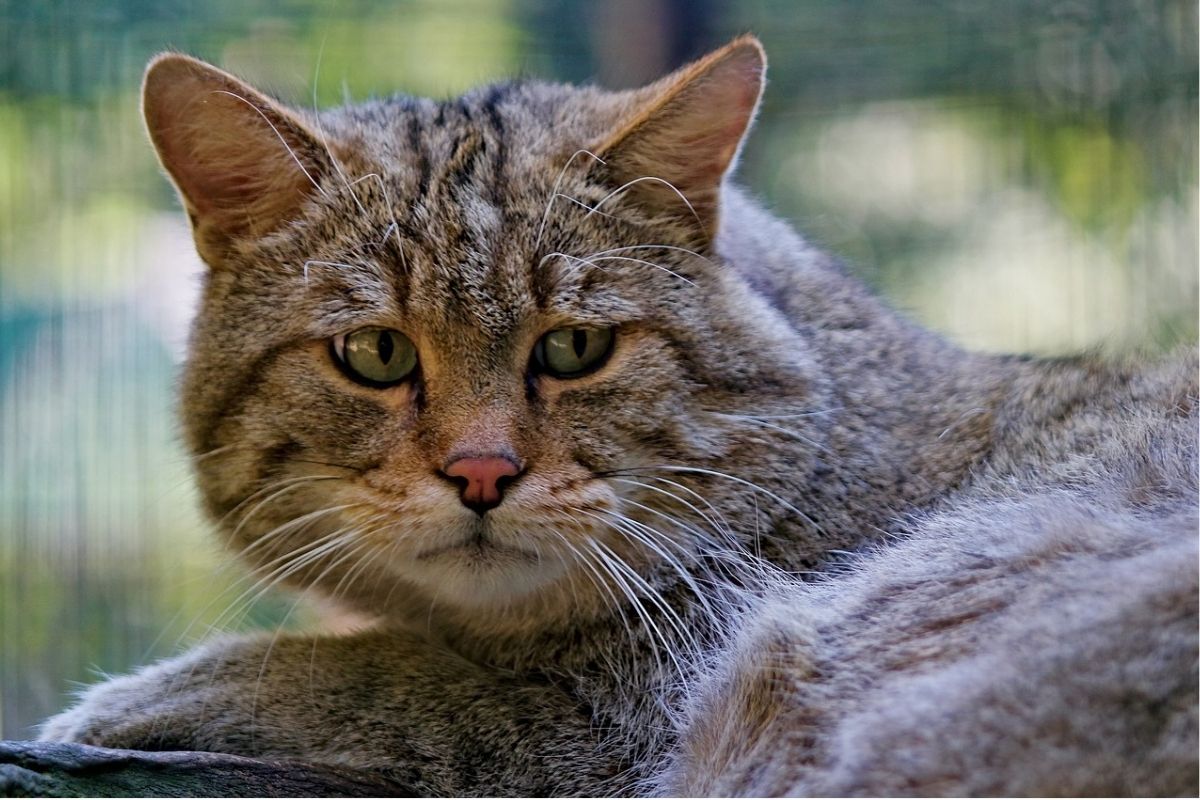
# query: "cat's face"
452,356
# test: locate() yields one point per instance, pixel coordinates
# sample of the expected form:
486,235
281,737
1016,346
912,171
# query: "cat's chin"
484,576
477,573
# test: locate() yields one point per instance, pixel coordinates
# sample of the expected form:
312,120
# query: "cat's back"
1043,647
1120,432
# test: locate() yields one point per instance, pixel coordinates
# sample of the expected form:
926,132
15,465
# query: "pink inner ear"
713,150
689,132
228,157
238,158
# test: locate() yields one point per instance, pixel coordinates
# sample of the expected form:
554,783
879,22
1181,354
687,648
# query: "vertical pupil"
579,342
385,347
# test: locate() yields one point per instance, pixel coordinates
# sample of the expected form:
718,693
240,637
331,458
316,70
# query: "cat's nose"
482,479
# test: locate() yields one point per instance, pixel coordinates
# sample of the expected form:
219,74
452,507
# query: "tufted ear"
242,163
686,130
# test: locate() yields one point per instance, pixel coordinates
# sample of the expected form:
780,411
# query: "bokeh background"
1020,174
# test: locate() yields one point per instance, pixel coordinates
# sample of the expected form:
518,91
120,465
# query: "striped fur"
784,541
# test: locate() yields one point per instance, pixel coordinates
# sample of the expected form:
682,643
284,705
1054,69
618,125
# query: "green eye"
376,356
573,352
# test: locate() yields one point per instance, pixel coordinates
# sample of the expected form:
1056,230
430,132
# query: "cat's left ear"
686,130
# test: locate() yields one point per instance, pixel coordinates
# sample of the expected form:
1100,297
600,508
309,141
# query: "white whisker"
554,193
618,567
735,479
313,261
394,228
325,139
634,530
772,426
282,141
652,179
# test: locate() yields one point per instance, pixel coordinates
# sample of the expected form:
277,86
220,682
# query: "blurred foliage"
1019,174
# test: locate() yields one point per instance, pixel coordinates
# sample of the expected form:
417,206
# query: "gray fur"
856,559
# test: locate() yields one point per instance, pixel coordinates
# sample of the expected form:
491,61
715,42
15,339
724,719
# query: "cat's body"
1021,617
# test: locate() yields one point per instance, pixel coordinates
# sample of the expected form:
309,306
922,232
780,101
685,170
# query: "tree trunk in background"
622,43
637,41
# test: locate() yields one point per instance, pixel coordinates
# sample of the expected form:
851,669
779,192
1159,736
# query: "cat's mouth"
477,545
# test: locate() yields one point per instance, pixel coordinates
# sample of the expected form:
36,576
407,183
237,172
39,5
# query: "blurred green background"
1020,174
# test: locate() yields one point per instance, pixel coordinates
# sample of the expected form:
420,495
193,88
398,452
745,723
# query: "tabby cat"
643,493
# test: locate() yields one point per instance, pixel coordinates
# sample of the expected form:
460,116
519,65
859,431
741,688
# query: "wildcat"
642,492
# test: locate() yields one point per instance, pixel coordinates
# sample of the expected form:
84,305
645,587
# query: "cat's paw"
126,712
178,704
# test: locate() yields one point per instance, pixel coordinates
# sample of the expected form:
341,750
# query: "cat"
641,491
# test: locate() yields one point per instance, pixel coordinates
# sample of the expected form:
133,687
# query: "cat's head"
467,350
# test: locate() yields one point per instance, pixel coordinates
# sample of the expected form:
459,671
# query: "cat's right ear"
243,163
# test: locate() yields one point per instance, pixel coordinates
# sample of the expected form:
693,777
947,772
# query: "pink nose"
482,480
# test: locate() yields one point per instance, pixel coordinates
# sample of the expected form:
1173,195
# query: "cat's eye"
573,352
376,356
